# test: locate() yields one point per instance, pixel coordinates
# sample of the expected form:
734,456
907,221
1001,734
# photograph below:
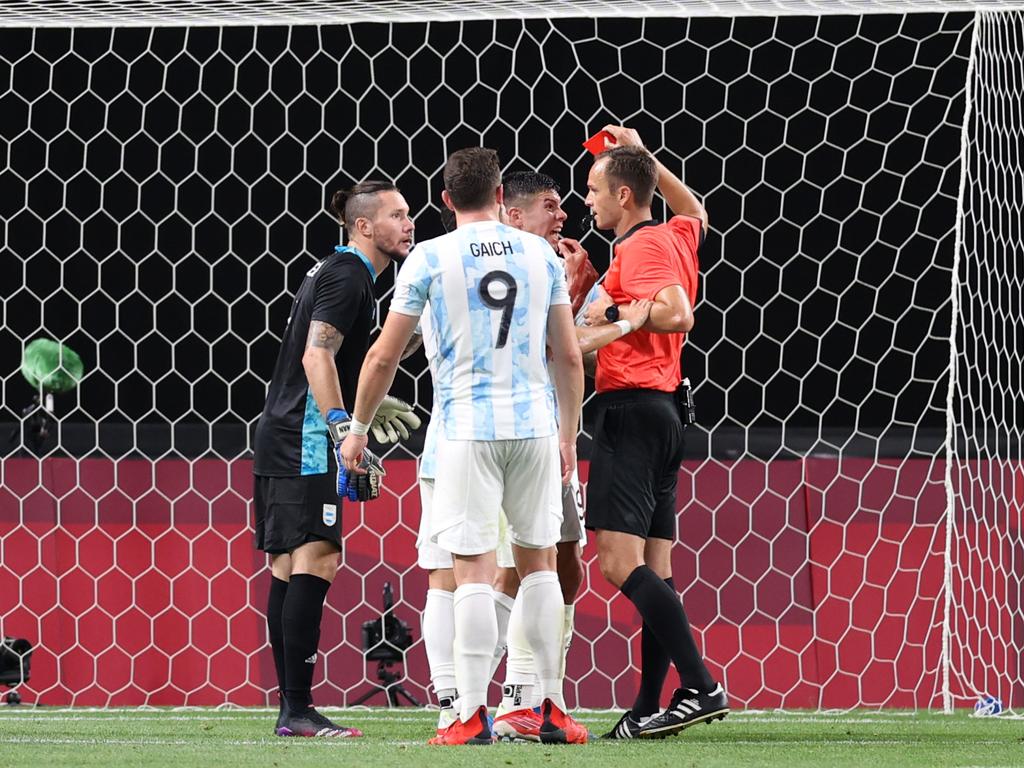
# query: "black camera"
385,641
386,638
15,655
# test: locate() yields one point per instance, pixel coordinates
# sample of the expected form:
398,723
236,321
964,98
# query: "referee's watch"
611,314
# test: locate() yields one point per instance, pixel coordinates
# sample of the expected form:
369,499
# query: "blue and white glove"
354,487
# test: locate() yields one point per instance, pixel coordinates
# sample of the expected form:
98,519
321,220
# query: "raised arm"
677,195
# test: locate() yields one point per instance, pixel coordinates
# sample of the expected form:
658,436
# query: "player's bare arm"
580,274
595,310
632,317
677,195
567,376
671,311
322,343
375,379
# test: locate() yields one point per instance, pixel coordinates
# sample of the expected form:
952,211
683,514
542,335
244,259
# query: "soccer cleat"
688,707
518,725
558,727
282,712
312,723
476,731
627,727
447,715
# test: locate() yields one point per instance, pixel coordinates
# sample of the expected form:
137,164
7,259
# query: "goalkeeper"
298,484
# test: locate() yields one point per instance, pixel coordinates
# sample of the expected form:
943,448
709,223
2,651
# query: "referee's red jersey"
649,257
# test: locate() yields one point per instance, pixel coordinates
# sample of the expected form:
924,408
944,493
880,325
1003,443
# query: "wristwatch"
612,313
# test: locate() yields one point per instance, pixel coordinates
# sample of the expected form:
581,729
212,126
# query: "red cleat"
559,727
476,730
519,724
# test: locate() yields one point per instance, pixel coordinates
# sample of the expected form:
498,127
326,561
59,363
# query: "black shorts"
634,468
291,511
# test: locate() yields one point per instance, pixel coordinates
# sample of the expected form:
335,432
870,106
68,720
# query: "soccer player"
533,204
495,298
638,427
297,480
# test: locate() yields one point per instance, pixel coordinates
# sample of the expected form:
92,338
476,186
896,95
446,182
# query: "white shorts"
478,479
573,528
430,556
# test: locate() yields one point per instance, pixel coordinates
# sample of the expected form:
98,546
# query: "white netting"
986,616
164,193
144,13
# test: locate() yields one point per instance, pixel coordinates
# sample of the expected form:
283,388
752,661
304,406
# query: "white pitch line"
375,717
42,740
352,742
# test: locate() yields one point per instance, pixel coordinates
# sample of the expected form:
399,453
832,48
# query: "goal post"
850,500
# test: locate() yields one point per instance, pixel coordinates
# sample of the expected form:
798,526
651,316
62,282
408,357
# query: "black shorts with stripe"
634,468
291,511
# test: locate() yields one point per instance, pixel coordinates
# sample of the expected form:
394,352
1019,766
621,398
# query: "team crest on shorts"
330,514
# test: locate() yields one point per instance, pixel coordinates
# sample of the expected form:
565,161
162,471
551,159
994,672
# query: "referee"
638,428
296,489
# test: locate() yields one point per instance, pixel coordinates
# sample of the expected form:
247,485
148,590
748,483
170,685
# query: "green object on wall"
50,366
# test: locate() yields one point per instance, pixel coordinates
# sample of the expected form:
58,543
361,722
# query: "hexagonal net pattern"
164,193
985,475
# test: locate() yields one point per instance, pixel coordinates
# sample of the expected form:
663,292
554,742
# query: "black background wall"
163,191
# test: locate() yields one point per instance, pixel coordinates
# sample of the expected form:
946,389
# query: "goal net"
850,503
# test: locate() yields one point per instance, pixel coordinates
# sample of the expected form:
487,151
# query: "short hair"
360,201
521,185
471,177
632,167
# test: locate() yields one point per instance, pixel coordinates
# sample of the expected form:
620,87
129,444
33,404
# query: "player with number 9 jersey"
488,288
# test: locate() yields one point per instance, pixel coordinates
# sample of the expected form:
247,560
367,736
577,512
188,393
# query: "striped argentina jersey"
484,292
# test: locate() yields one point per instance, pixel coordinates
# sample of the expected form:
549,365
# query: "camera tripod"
392,686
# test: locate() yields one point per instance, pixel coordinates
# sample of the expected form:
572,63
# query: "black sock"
654,663
300,621
275,604
661,610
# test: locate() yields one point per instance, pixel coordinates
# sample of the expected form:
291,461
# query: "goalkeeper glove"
353,487
357,487
393,420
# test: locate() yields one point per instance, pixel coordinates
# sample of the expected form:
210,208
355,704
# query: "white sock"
570,613
502,611
476,634
518,690
439,640
544,617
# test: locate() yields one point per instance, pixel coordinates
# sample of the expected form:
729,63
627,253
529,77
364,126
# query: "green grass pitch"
212,738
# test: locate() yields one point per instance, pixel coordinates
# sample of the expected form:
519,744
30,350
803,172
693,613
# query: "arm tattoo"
324,335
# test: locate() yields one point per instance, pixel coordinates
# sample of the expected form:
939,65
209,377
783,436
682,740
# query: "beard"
394,251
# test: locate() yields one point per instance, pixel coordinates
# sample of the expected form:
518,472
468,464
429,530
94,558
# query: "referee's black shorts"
291,511
634,469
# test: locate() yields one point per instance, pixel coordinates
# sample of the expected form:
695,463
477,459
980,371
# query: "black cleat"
282,713
626,728
312,723
688,707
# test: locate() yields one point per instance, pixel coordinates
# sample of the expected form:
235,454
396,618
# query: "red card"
596,144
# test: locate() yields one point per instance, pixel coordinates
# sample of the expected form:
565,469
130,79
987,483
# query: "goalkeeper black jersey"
291,437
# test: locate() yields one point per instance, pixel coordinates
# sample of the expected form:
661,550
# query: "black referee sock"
661,610
300,621
275,631
654,663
